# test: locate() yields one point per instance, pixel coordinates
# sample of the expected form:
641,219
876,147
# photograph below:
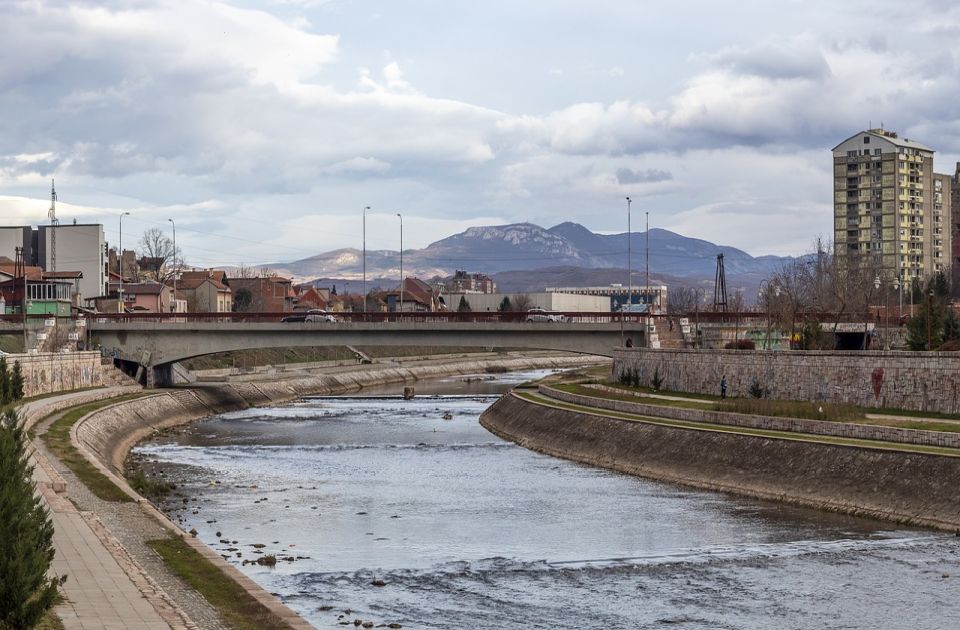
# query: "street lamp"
697,291
765,296
401,262
876,287
629,259
929,298
365,208
173,302
120,253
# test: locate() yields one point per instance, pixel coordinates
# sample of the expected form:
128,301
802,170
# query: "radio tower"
720,287
54,222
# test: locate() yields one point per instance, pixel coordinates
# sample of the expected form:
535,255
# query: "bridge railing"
370,317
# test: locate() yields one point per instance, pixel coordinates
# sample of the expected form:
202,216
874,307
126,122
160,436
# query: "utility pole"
629,262
54,222
401,262
18,267
173,302
365,209
649,295
121,310
720,287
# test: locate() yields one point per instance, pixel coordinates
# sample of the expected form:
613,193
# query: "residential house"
142,297
205,291
416,296
309,297
47,293
271,294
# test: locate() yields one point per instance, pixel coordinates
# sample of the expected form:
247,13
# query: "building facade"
891,212
80,247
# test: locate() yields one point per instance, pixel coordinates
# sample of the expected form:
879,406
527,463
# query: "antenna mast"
54,222
720,287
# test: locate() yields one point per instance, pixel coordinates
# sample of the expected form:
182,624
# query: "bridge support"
159,376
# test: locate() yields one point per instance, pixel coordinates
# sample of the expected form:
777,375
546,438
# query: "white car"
542,315
320,315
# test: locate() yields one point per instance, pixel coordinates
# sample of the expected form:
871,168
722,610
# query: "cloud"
628,176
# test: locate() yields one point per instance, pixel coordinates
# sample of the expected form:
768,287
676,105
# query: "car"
542,315
320,315
313,315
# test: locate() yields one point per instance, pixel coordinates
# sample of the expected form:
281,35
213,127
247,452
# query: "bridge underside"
157,346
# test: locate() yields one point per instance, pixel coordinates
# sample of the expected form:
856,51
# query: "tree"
682,300
26,535
242,300
522,303
156,253
4,382
505,306
16,382
463,306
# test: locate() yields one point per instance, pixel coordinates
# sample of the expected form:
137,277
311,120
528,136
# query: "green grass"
537,399
666,392
282,356
57,439
12,343
775,408
234,604
640,397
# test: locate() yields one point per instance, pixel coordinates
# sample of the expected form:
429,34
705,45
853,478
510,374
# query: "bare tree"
156,253
522,302
682,300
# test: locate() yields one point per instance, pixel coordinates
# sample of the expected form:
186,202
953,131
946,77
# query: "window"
866,139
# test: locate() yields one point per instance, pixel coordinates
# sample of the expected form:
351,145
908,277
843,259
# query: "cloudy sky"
263,127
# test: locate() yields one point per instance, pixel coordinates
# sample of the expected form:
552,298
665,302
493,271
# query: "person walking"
723,386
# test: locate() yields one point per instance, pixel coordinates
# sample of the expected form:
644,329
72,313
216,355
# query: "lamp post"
173,302
365,208
762,295
647,289
629,259
400,310
876,287
696,333
929,299
120,254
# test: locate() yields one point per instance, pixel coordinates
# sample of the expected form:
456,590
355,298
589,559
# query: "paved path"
104,587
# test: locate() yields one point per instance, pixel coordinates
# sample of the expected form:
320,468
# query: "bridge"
152,343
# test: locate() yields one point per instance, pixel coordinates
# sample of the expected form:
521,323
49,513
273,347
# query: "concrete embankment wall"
767,423
909,488
923,381
50,372
110,433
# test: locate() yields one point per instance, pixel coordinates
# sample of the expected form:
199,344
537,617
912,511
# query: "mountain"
525,247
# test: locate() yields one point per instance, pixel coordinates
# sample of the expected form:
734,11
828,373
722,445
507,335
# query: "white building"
551,301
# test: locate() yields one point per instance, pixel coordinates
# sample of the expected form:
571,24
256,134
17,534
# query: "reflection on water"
466,530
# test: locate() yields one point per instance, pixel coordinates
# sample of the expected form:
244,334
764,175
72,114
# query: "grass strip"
57,439
238,607
639,397
539,399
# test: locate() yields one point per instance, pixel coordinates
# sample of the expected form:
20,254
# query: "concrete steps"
113,376
669,337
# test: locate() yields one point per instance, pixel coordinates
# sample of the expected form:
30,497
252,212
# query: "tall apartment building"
80,247
890,209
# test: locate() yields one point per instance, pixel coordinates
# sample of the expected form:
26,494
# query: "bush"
16,382
740,344
657,381
26,535
951,346
757,390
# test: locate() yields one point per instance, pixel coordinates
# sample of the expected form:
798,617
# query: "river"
409,512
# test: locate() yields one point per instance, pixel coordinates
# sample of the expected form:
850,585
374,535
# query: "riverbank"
105,436
903,487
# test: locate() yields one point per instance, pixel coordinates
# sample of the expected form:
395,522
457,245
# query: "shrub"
657,380
757,390
740,344
16,382
26,535
951,346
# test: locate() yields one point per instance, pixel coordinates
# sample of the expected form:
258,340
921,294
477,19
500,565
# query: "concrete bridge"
154,346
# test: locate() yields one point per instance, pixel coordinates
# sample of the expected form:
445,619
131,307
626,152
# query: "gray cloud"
650,175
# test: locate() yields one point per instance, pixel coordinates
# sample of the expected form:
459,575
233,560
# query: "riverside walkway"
105,587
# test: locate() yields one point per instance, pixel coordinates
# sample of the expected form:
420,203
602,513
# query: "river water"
386,508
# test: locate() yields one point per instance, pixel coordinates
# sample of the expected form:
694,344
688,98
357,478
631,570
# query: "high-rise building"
955,228
891,211
80,247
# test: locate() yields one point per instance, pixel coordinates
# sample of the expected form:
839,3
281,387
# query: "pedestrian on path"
723,386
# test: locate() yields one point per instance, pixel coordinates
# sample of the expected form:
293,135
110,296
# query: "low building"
640,297
417,296
142,297
272,294
205,291
549,300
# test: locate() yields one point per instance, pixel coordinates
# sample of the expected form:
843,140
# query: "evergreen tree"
917,327
16,382
26,534
4,382
951,326
464,306
505,305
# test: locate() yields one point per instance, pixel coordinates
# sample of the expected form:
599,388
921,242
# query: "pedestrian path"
104,588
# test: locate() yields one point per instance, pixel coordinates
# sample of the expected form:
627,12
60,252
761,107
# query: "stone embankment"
910,488
922,381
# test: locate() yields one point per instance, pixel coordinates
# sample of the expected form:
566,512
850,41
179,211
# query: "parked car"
543,315
313,315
